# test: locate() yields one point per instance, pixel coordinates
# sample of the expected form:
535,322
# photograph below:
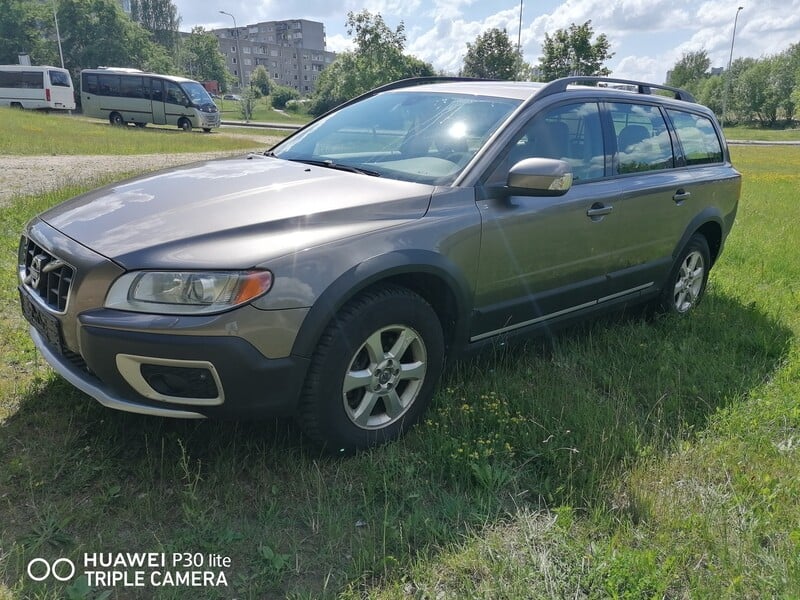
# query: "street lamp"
730,61
58,34
519,31
238,48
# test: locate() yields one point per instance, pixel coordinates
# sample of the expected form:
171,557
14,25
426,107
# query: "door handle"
599,210
680,196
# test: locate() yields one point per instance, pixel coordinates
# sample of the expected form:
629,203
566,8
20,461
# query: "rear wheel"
374,371
185,124
116,119
687,281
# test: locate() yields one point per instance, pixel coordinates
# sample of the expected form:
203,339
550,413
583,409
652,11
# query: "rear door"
654,206
61,92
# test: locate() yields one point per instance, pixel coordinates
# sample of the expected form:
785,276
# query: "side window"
108,85
570,132
175,94
157,90
33,80
89,83
697,137
643,142
131,87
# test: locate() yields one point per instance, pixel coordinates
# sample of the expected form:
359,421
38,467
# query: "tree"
159,17
97,32
571,52
377,59
281,94
202,59
492,56
260,79
690,70
27,27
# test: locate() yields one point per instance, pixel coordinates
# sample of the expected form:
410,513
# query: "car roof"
518,90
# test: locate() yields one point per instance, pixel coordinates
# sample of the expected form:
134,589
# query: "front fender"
395,267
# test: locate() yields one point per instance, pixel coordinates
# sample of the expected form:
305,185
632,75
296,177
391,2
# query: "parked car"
231,97
330,277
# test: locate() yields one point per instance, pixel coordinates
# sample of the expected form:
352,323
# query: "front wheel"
374,371
185,124
687,281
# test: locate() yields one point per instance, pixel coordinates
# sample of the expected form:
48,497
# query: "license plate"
46,324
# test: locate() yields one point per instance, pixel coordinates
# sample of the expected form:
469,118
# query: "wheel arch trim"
400,268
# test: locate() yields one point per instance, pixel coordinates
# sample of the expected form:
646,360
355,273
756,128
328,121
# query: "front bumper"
251,385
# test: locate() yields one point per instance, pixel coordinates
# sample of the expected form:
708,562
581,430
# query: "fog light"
180,382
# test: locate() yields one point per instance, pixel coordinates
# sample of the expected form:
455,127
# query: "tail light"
47,94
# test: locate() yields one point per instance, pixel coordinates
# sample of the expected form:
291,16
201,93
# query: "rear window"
697,136
60,79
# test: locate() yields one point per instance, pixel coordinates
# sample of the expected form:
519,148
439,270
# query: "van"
36,87
125,96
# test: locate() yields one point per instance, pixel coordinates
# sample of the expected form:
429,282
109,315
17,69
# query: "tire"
207,129
374,372
185,124
116,119
687,281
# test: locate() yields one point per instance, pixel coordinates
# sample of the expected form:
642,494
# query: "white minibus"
36,87
133,96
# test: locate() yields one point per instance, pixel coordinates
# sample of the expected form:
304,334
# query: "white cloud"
647,36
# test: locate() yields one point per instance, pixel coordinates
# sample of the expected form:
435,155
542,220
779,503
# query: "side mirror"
540,177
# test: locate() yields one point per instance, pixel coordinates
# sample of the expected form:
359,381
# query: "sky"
647,37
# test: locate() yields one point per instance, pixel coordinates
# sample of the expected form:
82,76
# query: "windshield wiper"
329,164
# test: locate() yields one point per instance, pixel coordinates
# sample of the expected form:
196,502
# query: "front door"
157,100
542,257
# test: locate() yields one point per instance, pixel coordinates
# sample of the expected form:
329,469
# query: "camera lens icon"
62,569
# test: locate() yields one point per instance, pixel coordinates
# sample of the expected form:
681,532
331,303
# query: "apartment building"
293,52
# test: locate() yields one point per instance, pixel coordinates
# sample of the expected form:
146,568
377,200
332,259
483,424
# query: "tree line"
99,32
755,90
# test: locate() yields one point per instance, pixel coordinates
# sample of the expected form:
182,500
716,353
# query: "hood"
233,213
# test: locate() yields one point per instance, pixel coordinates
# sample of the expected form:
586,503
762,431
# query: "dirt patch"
27,175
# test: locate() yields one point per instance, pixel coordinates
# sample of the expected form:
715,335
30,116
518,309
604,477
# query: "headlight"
186,293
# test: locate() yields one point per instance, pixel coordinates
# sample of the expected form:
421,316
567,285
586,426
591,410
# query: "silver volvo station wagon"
329,277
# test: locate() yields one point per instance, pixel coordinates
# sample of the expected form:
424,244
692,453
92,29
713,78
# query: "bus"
132,96
36,87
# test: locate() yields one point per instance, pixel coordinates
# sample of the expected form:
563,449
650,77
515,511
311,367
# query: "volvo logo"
41,264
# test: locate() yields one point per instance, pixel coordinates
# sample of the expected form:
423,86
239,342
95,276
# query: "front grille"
45,275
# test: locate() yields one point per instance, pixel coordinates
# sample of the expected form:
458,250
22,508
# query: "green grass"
759,134
30,133
622,458
262,112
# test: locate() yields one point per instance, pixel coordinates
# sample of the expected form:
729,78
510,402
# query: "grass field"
624,458
29,133
759,134
262,111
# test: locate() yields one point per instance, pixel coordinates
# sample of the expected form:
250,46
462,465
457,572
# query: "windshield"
197,93
417,136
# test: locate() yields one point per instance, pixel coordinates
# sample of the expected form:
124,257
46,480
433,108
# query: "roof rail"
560,85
